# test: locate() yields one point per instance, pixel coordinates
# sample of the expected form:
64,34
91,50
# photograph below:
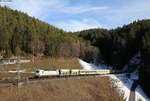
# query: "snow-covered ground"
90,66
135,60
122,81
15,71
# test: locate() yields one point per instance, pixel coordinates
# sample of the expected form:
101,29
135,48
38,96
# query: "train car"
103,71
94,72
46,73
64,72
87,72
75,71
69,72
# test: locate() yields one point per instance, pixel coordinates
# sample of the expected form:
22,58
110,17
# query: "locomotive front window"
37,71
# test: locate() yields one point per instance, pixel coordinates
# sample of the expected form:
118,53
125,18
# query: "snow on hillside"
90,66
122,81
134,61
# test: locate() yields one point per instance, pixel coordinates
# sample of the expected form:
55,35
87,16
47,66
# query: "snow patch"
90,66
122,81
123,84
15,71
85,65
141,95
135,60
134,76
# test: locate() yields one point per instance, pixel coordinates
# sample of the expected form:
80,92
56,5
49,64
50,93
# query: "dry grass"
45,63
83,89
13,76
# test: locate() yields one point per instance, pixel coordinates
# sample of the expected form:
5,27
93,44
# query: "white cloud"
36,8
64,10
48,8
83,9
40,8
127,13
77,25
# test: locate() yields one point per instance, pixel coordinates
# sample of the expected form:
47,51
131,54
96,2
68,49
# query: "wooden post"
18,72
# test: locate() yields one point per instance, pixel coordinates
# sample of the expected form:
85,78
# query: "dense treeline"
145,51
117,46
21,34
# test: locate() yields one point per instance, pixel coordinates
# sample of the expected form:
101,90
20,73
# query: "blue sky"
76,15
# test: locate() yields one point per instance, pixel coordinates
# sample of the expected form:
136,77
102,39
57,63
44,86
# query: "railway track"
132,91
6,83
31,80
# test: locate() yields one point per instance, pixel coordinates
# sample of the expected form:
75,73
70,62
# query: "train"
69,72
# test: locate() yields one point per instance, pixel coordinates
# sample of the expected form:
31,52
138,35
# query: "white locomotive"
69,72
42,73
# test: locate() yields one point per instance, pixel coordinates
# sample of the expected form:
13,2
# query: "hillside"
21,34
118,46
